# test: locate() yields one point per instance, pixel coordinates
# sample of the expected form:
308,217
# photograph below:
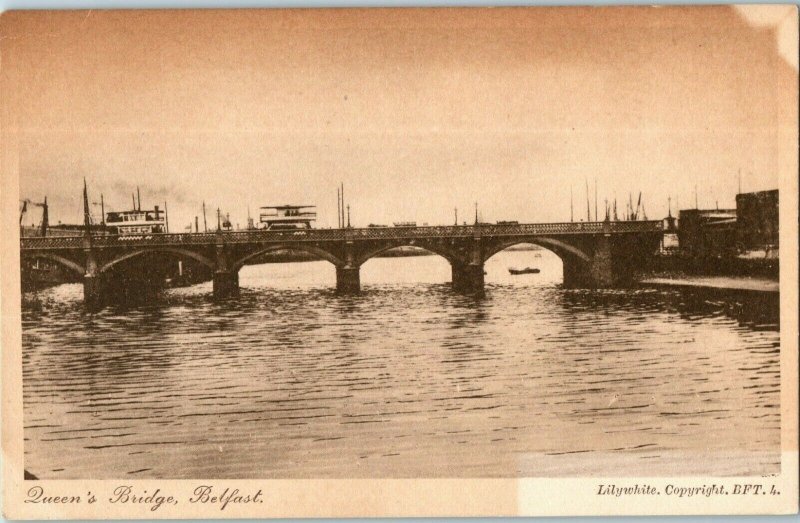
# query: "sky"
417,112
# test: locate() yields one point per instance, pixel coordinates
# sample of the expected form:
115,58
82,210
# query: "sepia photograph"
455,248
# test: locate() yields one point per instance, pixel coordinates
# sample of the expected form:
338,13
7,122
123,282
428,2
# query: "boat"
526,270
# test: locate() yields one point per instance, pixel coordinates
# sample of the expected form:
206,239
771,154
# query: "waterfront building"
757,222
707,232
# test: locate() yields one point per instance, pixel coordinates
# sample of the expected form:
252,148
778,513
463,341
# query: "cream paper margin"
407,497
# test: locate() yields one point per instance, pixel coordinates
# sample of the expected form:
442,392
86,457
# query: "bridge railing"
636,226
52,242
445,231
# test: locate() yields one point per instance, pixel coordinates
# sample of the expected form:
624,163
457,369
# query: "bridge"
594,254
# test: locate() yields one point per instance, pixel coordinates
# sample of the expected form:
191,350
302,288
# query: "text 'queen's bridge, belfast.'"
594,254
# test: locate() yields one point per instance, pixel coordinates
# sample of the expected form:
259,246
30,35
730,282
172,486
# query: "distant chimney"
156,209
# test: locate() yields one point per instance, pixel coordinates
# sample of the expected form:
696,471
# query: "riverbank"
723,266
724,283
751,301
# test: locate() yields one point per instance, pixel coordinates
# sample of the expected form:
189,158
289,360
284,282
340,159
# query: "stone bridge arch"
587,264
563,250
75,267
451,256
169,250
311,249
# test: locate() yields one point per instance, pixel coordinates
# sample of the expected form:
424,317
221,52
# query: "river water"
407,379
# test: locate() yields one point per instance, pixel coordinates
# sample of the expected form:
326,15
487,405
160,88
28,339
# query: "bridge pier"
602,269
226,284
467,279
597,273
348,280
93,291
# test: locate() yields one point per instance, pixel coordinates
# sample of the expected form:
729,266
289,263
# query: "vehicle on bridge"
405,224
137,221
287,217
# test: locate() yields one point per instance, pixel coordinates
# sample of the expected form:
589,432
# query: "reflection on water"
406,379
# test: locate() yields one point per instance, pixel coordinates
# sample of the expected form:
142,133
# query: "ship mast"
87,221
338,208
588,205
571,217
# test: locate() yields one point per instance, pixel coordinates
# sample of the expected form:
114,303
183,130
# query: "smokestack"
45,218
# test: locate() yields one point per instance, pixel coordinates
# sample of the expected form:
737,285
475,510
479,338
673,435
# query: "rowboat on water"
527,270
